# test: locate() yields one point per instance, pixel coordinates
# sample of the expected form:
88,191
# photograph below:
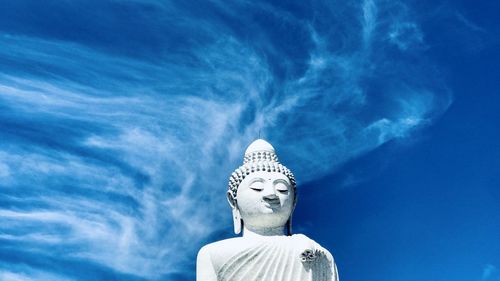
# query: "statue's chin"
266,211
270,210
266,221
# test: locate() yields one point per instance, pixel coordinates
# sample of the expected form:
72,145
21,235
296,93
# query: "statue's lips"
272,203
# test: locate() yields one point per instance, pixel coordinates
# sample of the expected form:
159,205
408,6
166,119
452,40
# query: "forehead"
267,176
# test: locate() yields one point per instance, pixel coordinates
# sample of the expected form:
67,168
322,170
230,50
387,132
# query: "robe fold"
280,258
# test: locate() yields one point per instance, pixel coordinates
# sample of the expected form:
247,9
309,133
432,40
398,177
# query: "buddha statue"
262,195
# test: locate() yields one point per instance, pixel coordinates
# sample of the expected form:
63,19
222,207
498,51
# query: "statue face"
265,200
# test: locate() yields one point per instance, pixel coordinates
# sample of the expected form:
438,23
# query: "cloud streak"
121,160
489,272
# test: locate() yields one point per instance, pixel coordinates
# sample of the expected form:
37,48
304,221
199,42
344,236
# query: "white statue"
262,195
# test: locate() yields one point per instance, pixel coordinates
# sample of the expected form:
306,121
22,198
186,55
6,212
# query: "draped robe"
276,258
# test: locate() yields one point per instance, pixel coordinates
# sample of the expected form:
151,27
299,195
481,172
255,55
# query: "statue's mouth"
272,203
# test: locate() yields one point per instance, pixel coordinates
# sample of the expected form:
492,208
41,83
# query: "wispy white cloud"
369,20
406,35
29,274
170,138
126,159
489,273
469,23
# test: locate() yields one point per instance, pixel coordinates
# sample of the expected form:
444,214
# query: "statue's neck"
249,232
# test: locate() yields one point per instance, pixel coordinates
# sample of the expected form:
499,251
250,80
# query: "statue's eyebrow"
256,180
282,181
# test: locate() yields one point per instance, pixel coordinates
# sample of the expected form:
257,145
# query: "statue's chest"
277,260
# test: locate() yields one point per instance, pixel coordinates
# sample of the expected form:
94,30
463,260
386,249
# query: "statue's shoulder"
217,253
222,248
212,256
304,241
221,245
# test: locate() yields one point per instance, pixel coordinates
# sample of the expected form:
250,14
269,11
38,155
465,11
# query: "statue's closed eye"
281,187
257,186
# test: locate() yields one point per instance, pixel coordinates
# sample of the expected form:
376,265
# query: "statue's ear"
230,199
236,213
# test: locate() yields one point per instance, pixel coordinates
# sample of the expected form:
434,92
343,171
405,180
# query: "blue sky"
120,122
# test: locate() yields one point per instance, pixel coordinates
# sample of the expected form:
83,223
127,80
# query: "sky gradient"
121,121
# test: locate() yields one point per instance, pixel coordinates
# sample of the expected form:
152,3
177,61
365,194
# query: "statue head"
262,191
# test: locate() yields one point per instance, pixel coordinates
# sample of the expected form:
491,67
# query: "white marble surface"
262,207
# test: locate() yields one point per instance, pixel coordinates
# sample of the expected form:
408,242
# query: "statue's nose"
269,194
271,197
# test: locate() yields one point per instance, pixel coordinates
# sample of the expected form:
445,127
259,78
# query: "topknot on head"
259,156
260,150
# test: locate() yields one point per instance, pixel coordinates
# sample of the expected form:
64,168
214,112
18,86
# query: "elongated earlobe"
236,213
236,221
